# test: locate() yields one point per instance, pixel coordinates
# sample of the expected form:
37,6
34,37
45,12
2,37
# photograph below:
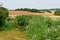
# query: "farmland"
19,13
12,14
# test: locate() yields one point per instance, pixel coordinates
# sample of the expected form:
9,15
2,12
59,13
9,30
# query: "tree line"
33,10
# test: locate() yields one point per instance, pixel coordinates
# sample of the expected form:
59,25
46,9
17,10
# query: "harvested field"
12,14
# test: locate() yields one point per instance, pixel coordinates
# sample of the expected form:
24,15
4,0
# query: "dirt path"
12,35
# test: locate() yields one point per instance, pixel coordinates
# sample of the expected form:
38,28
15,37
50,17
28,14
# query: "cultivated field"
12,14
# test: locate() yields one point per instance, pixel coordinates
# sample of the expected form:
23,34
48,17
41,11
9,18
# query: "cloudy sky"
41,4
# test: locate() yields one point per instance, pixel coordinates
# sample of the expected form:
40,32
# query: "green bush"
57,13
37,28
3,16
22,22
10,24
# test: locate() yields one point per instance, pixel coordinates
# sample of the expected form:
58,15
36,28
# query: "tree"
3,15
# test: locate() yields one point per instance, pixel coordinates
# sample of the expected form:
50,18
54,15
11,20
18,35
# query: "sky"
39,4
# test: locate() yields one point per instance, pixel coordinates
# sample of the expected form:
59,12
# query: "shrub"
10,24
22,22
37,28
57,12
3,16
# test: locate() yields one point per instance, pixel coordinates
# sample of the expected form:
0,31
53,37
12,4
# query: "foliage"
57,13
39,27
56,9
48,11
33,10
4,11
9,25
3,16
42,28
22,22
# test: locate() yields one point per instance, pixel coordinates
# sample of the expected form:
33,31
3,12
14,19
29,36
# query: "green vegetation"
3,16
33,10
57,13
22,22
56,9
39,28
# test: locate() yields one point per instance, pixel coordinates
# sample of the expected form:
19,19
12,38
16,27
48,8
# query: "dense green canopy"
3,15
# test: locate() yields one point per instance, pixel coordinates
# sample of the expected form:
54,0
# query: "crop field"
12,14
19,13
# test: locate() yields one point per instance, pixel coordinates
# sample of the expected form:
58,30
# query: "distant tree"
21,9
48,11
33,10
26,9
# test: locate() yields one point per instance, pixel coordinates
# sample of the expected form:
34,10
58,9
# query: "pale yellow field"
12,14
19,13
12,35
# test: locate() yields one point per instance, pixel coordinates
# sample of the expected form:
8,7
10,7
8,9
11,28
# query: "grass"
12,35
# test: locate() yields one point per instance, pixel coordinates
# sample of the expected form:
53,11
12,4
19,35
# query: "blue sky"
41,4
